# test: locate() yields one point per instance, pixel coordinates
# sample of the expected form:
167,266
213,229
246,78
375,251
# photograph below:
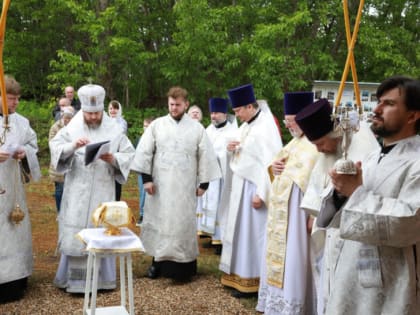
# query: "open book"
95,150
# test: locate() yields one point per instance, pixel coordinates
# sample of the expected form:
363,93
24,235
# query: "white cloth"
72,270
247,253
323,243
259,142
16,260
97,239
178,155
242,244
377,269
296,296
86,187
211,217
122,122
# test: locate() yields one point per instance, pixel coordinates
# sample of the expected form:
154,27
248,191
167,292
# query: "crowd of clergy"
292,230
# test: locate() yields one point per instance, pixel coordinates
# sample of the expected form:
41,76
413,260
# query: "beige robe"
301,156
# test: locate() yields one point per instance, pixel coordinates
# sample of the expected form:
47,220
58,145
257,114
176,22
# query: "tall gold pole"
352,62
5,109
342,115
350,54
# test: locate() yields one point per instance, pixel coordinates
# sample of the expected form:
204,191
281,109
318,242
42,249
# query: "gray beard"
94,126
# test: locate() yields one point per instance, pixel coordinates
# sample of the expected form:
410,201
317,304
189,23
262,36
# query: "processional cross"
343,116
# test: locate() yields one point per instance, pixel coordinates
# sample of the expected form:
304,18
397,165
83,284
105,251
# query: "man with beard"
315,122
87,186
174,154
378,216
285,283
211,215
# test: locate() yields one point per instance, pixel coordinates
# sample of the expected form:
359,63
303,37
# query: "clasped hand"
233,145
19,154
278,166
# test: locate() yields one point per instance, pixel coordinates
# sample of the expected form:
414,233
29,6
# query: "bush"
41,120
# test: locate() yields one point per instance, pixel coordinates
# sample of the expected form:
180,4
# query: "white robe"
245,228
85,189
285,284
16,260
323,243
178,155
377,269
212,217
296,297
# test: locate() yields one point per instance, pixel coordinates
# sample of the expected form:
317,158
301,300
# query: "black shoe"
207,245
153,272
218,250
242,295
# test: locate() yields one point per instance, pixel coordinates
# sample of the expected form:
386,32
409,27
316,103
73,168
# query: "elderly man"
87,186
195,113
69,95
74,102
251,154
19,149
378,213
211,217
62,104
315,122
174,154
285,285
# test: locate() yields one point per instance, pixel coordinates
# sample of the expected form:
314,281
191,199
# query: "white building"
329,90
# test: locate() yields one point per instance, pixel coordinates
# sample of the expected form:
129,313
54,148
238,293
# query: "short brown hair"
12,86
177,91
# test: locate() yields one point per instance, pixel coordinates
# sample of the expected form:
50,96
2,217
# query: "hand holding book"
95,150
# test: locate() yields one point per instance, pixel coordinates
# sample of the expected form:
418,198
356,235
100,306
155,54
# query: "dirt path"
204,295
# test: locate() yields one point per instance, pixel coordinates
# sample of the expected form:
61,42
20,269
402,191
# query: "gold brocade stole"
301,156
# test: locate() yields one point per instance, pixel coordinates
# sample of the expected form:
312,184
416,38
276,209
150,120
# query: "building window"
365,96
373,98
318,94
330,95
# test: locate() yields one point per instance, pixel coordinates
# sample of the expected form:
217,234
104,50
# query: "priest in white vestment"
377,270
211,216
286,281
19,149
252,151
87,186
177,161
315,121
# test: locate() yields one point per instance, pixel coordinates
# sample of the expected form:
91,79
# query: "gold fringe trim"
249,285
